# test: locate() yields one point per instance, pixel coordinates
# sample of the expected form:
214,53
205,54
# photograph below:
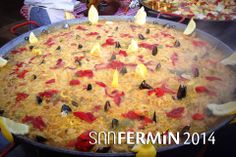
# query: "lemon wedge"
231,60
141,70
133,47
32,38
93,15
190,28
96,50
9,126
109,23
3,62
223,109
36,51
69,15
140,17
144,150
115,80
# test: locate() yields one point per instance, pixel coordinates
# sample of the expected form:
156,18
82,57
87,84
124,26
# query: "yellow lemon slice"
3,62
32,38
144,150
69,15
133,47
140,17
223,109
141,70
93,15
231,60
115,80
9,126
96,49
190,28
36,51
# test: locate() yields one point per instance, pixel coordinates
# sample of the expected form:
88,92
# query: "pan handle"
171,16
13,29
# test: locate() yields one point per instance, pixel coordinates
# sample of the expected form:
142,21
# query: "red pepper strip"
50,81
62,34
167,90
147,46
22,74
97,108
37,122
213,78
135,116
49,42
122,35
83,142
198,116
117,97
79,58
21,96
101,84
74,82
92,33
109,42
81,28
201,89
174,58
48,93
158,91
20,64
84,73
86,116
19,50
176,113
59,64
164,34
198,43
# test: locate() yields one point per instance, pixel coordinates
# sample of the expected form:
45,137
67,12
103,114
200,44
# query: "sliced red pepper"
176,113
135,116
37,121
19,50
74,82
109,42
84,73
22,74
164,34
92,33
50,81
101,84
147,46
20,64
97,108
213,78
21,96
122,35
49,42
201,89
83,142
158,91
198,43
174,58
198,116
81,28
48,93
59,64
86,116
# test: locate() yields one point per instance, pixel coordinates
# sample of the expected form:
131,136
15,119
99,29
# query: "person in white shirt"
45,12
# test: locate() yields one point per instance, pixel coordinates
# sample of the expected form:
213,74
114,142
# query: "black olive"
107,106
116,29
89,87
123,70
114,123
148,31
58,48
158,66
77,36
177,43
45,31
141,37
34,77
184,129
1,112
74,103
154,51
66,109
39,100
31,47
99,37
195,72
113,57
80,46
26,38
40,139
42,62
167,26
103,149
154,118
118,45
144,85
182,91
